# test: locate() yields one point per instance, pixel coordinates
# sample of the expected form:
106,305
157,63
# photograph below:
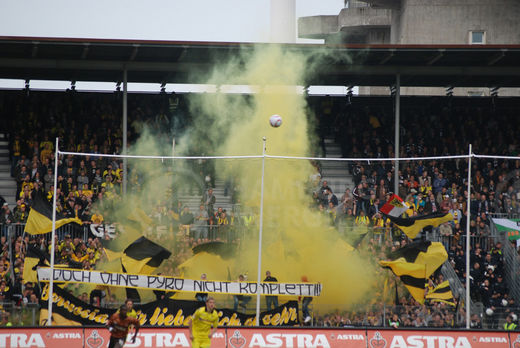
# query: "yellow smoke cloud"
296,239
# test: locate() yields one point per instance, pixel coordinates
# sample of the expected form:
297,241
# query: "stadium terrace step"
334,164
336,173
7,184
332,148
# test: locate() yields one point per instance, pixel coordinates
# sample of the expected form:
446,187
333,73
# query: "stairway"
193,201
7,184
336,173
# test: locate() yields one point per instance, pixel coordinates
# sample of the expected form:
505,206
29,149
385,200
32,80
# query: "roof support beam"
435,58
134,53
85,51
389,56
497,57
34,51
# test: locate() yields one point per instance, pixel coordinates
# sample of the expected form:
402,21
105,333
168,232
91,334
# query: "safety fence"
25,314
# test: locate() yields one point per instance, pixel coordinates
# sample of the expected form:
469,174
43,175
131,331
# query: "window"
477,37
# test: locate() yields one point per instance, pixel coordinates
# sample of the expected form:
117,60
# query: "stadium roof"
188,62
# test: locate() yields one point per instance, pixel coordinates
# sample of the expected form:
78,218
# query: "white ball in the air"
275,121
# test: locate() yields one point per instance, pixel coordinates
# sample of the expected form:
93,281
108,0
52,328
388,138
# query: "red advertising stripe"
59,337
301,338
151,337
437,339
44,337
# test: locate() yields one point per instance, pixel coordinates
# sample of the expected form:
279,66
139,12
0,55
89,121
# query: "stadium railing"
511,262
25,314
18,229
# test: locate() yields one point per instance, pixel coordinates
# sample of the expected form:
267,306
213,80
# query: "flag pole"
260,235
468,219
396,136
51,281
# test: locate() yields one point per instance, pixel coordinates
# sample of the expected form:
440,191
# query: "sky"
183,20
170,20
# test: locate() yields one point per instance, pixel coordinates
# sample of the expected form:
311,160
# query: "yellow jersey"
202,322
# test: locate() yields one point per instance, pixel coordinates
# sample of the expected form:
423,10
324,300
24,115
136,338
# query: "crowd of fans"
88,186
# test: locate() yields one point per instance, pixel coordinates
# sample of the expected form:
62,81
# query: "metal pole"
53,234
10,235
397,121
468,219
125,126
173,151
260,235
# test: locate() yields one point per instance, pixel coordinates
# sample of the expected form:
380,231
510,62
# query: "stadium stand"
350,195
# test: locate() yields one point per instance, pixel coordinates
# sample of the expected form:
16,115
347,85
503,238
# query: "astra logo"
275,340
493,339
351,337
417,341
21,340
146,339
67,335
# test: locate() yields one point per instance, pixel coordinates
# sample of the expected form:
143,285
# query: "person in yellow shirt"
78,256
203,324
87,191
96,218
45,153
361,222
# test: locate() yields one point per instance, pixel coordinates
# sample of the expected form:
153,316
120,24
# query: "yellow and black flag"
415,263
413,225
143,256
35,258
39,220
441,293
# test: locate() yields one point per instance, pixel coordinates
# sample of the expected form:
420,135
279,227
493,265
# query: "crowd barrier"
97,337
75,231
227,233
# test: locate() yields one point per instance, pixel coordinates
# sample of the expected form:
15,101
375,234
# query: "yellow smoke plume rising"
297,240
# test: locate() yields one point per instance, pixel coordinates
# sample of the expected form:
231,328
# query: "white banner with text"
156,282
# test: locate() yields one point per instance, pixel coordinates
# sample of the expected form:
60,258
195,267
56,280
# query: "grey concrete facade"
429,22
417,22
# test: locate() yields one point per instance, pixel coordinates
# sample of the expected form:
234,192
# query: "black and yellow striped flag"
441,293
35,258
415,263
413,225
39,220
143,256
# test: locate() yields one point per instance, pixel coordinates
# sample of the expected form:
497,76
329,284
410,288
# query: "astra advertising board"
269,337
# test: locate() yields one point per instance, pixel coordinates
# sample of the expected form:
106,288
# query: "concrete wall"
317,27
450,21
364,16
424,22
